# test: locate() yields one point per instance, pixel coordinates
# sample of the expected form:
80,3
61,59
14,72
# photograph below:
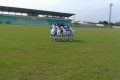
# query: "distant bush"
1,22
8,22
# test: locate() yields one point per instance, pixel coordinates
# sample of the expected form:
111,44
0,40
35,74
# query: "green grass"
27,53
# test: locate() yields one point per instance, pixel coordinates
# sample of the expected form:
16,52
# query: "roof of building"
34,11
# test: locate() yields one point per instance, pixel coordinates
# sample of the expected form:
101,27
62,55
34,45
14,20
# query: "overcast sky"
85,10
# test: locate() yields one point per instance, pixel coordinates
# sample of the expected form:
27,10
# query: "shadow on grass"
78,41
74,41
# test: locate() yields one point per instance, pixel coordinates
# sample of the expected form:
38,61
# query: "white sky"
85,10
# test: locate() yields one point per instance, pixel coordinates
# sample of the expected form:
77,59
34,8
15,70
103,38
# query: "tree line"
112,24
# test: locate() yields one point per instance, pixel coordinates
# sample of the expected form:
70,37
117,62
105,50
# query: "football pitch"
27,53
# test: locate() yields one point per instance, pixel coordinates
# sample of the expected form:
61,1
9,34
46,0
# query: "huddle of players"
61,27
63,31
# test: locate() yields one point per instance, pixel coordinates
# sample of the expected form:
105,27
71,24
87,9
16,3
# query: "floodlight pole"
110,12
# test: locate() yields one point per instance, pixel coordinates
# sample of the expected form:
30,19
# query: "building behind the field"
13,15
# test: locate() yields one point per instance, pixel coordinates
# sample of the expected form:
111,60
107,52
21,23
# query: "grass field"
27,53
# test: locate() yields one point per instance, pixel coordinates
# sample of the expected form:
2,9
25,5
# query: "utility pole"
110,12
